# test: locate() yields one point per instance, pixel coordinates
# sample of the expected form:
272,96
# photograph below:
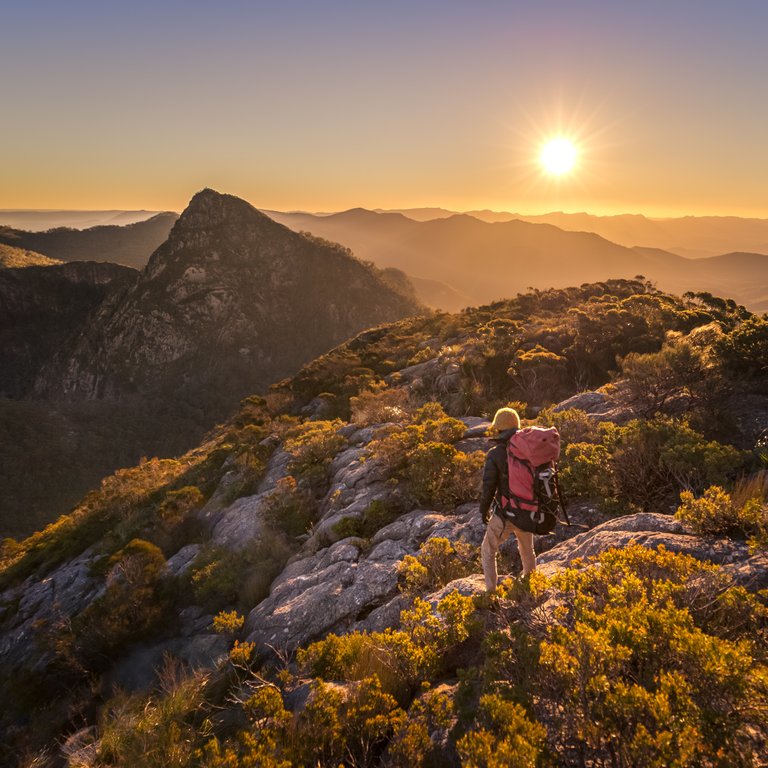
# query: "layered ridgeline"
477,261
128,244
230,303
304,587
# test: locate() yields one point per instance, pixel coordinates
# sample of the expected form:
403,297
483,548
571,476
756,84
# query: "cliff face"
230,302
41,307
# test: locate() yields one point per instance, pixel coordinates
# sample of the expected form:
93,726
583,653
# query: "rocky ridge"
333,584
231,301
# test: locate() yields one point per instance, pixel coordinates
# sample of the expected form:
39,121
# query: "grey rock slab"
474,584
647,529
241,522
180,562
589,402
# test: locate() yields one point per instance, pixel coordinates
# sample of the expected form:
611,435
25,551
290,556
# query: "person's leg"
497,532
525,547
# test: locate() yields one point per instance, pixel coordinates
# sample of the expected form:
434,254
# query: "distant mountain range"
690,236
39,221
432,253
481,261
130,245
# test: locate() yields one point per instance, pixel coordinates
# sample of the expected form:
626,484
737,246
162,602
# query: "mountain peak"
209,208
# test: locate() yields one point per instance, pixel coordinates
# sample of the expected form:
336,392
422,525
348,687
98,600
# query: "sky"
322,106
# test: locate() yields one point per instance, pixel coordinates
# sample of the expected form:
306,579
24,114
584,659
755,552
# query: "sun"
558,156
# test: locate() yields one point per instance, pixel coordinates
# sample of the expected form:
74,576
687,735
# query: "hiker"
495,486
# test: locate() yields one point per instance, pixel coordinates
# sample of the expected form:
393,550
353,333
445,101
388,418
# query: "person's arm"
489,486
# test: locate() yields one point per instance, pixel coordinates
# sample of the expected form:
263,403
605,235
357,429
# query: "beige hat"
506,418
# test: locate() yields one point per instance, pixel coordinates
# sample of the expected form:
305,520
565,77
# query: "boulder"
650,530
346,586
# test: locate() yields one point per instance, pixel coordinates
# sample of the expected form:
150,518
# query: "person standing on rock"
496,485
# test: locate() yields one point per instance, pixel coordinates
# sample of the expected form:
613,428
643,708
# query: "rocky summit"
230,303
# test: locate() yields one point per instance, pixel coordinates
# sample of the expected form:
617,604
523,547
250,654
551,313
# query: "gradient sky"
329,105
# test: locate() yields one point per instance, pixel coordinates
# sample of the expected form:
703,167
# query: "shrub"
380,404
587,472
338,726
437,563
573,425
718,512
505,738
443,477
712,513
539,374
637,671
412,744
220,577
744,351
653,379
377,515
401,658
289,508
228,622
313,445
652,460
132,607
422,452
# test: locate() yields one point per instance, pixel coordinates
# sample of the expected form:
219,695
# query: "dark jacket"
495,473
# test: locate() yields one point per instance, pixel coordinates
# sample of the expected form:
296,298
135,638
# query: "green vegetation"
438,563
636,657
646,463
744,512
422,454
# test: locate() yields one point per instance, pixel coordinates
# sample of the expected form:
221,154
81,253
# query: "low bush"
133,606
638,671
380,404
377,515
651,461
503,737
289,508
222,577
401,658
423,454
437,563
717,512
313,445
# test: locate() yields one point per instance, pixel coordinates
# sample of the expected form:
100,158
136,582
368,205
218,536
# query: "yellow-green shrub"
638,669
379,404
400,658
437,563
717,512
503,737
313,445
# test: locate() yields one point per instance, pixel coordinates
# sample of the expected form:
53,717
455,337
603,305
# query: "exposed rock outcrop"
231,302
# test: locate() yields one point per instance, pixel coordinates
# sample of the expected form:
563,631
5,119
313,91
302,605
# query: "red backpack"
534,495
